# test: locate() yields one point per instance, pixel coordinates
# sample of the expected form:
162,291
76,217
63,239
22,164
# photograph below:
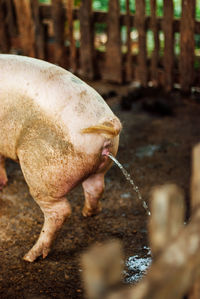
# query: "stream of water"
128,177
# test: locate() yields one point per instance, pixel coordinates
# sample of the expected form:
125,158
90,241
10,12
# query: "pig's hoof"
32,255
87,212
29,258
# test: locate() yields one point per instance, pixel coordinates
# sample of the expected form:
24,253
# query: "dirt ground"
155,149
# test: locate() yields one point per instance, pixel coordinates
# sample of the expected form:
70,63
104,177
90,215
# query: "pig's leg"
93,189
3,176
55,212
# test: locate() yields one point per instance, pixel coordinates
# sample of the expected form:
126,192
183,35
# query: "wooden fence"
175,247
48,32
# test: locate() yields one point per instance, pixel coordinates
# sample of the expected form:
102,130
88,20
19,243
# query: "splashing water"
128,177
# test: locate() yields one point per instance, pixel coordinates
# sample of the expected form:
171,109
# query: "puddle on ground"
125,195
147,151
136,266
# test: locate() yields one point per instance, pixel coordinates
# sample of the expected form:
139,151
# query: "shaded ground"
154,149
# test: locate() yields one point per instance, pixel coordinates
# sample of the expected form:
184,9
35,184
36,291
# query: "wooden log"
172,274
129,69
113,63
70,34
195,203
58,17
155,54
142,55
168,212
169,45
4,34
187,45
87,58
39,30
195,290
102,268
195,180
26,26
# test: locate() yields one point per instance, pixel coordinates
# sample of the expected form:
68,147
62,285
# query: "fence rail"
48,32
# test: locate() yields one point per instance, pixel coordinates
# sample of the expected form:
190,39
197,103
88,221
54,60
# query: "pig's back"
33,88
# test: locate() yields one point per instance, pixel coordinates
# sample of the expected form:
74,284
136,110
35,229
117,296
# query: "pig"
60,131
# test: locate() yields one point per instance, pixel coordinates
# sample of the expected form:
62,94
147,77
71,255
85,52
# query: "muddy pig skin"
59,129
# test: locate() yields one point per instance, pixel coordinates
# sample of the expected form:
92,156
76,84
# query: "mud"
153,148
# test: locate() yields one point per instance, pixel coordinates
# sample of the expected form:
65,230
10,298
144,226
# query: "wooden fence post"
155,54
168,212
113,61
142,55
39,30
26,26
195,202
129,67
87,39
4,34
169,45
70,33
102,269
58,16
187,45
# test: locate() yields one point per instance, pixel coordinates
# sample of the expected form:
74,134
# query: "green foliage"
198,10
77,2
100,5
45,1
103,5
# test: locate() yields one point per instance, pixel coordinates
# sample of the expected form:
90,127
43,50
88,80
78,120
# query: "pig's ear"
102,129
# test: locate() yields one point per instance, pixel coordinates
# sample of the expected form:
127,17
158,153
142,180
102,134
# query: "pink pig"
59,129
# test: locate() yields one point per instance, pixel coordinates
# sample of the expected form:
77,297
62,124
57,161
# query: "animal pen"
66,35
49,32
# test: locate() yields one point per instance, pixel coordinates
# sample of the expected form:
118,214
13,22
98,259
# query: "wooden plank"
87,40
169,45
155,54
102,268
101,17
58,17
195,291
26,26
187,45
195,180
172,274
142,55
168,213
39,30
70,34
4,35
11,19
195,203
113,61
129,70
